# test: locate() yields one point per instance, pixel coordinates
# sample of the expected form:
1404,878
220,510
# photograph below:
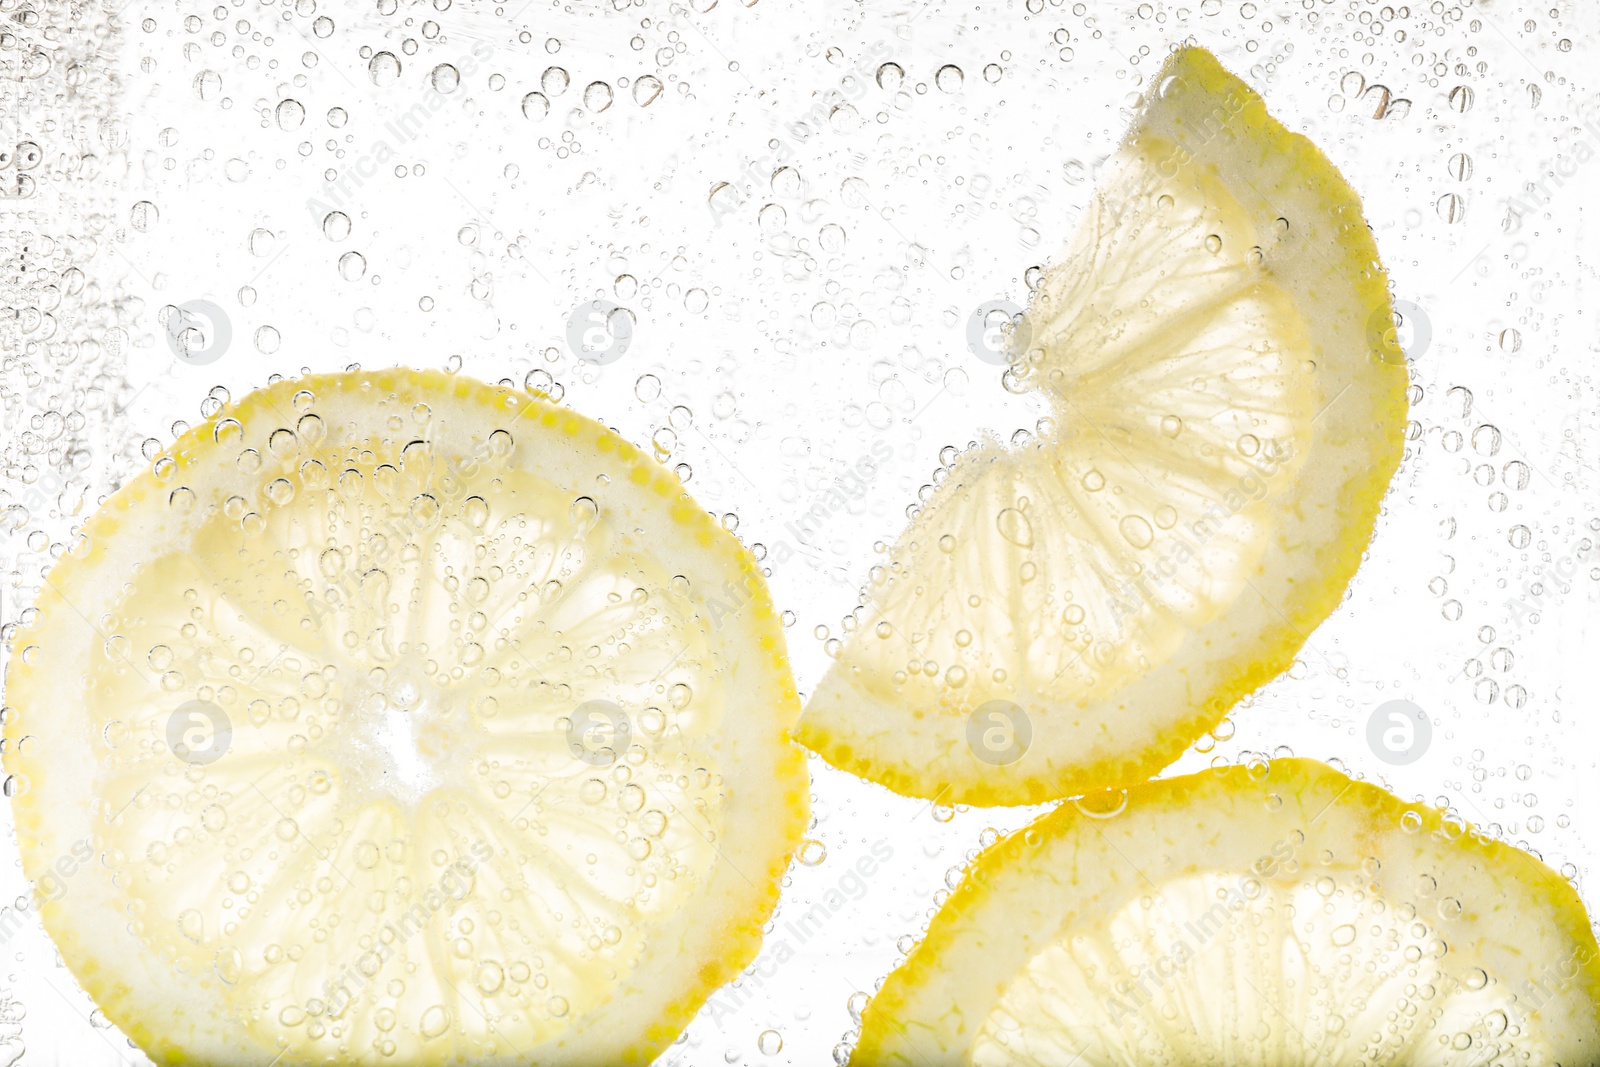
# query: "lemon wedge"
1217,346
1267,915
396,718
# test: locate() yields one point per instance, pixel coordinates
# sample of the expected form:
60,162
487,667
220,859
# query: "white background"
166,176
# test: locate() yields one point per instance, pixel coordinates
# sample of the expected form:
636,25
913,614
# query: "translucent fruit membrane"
1228,406
397,715
1267,915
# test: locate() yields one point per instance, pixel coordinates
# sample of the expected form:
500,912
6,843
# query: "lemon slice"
396,718
1217,346
1266,915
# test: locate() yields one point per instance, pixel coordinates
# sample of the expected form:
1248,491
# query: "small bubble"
445,78
1136,531
208,85
352,266
336,226
646,90
435,1021
144,216
597,96
291,114
772,218
1015,527
383,68
535,106
554,81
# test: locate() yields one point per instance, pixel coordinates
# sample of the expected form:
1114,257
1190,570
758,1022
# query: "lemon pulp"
395,713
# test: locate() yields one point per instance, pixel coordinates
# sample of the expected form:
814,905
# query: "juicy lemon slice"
403,719
1228,404
1266,915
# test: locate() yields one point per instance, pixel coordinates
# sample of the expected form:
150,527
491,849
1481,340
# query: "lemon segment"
1228,403
1268,915
393,710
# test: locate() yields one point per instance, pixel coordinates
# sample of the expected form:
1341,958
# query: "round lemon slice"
1229,404
1263,916
396,718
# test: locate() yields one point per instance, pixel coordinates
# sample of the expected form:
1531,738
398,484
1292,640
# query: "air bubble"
646,90
1136,531
336,226
554,81
445,78
535,106
597,96
384,69
291,114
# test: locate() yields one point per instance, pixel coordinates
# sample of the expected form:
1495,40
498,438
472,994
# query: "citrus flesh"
408,720
1275,914
1228,405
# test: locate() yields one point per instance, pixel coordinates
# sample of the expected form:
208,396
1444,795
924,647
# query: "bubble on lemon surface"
405,731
